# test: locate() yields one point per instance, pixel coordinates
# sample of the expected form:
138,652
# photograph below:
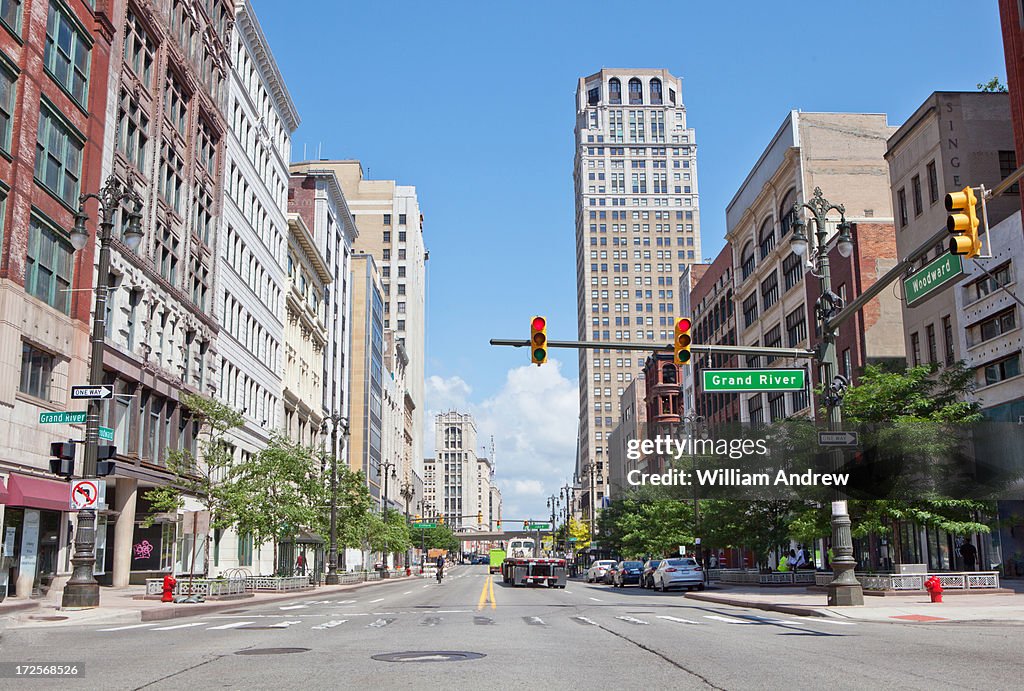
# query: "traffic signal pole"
649,347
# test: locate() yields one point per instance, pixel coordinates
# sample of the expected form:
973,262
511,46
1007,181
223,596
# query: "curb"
19,606
179,612
798,610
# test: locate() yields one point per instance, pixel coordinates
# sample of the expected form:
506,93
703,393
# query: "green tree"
646,522
204,475
278,492
992,85
355,509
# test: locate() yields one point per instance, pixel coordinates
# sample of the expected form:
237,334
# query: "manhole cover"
45,618
272,651
429,656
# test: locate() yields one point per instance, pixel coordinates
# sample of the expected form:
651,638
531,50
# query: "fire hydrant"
169,583
934,587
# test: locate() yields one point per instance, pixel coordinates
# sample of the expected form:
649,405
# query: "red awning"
36,493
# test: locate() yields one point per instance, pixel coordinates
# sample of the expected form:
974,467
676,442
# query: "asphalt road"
585,636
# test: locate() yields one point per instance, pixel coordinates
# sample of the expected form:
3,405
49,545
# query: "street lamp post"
385,468
82,590
844,589
407,494
335,419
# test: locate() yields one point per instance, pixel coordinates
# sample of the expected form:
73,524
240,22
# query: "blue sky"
473,103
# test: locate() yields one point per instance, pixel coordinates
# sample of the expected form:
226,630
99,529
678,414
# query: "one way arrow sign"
838,439
102,392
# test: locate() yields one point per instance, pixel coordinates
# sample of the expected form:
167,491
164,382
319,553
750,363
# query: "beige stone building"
637,227
367,373
843,154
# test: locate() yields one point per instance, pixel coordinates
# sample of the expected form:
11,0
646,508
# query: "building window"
933,346
132,130
36,372
915,349
387,219
656,92
796,326
847,364
933,183
901,203
200,283
175,103
10,14
1008,164
770,290
947,338
203,221
167,253
766,238
171,177
48,266
206,147
614,91
754,410
58,157
1002,369
7,92
401,219
915,188
1001,276
800,400
750,309
67,53
3,212
139,49
244,549
747,260
594,96
994,326
777,406
636,91
773,339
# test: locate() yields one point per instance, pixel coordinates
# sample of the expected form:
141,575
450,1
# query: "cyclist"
440,567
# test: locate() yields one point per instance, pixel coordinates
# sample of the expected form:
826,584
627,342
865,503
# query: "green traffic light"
540,354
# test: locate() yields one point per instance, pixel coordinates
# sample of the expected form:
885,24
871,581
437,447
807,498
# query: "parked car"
609,576
627,572
647,575
679,573
598,569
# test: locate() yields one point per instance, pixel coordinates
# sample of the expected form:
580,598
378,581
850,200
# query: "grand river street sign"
754,379
925,283
62,418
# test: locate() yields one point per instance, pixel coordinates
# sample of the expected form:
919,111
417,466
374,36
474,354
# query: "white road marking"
586,621
180,626
284,624
293,607
568,592
330,624
727,620
826,621
451,611
232,625
677,619
379,599
596,599
633,620
427,585
379,623
537,620
345,602
124,628
406,592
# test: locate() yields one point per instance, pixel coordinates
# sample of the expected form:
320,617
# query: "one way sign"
838,439
102,392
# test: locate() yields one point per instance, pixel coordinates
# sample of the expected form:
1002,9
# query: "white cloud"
533,418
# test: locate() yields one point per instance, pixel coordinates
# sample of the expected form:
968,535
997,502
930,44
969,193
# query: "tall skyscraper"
637,227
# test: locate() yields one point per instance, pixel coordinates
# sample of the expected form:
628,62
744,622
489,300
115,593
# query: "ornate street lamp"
82,590
336,420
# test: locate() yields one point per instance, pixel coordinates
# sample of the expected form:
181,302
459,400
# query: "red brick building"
1011,17
712,301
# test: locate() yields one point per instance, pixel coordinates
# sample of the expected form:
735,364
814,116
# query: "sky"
474,104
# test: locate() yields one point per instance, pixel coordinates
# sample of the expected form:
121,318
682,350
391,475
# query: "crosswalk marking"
596,599
678,620
380,623
406,592
284,624
345,602
330,624
180,626
586,621
534,621
379,599
633,620
727,620
293,607
124,628
232,625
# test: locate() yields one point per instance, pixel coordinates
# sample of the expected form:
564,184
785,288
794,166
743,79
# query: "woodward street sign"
926,282
754,379
424,525
62,418
106,434
537,526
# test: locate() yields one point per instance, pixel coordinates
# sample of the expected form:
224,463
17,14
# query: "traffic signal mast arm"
609,345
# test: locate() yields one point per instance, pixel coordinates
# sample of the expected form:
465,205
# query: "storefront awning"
35,493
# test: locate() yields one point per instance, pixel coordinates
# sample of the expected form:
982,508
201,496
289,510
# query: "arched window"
786,213
656,92
614,90
766,237
636,91
668,373
747,260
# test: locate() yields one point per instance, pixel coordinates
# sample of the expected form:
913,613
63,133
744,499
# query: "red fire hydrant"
934,587
169,583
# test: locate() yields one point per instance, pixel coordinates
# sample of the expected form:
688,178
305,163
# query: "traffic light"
682,341
962,222
479,517
538,340
441,521
63,461
499,524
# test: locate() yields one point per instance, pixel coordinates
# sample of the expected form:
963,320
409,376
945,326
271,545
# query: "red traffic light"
682,324
539,323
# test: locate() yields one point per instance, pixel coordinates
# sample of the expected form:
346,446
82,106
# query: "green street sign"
106,434
538,526
926,282
754,379
424,525
574,539
62,418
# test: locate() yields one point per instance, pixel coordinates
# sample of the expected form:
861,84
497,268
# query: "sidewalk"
1004,608
118,605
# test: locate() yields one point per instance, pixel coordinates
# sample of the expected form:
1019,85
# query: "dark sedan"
627,572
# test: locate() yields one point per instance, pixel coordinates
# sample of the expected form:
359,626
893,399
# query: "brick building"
53,107
712,302
1011,16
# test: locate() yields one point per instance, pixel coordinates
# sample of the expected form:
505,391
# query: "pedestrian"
970,555
713,562
300,564
791,561
800,559
440,567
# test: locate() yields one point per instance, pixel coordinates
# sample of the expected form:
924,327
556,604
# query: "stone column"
124,529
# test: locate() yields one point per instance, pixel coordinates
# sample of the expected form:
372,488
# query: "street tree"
203,474
354,509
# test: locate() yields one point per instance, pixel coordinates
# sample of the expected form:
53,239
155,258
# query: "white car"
598,569
678,573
